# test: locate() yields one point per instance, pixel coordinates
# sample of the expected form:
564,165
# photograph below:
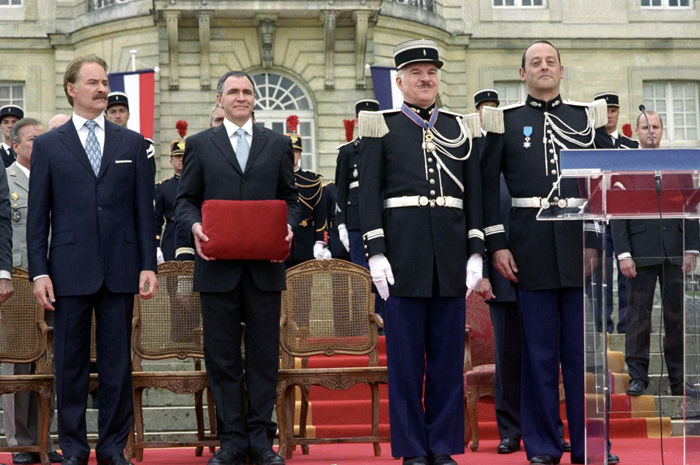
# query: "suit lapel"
113,134
259,141
219,137
69,138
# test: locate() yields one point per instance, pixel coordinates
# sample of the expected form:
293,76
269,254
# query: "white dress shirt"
83,131
231,129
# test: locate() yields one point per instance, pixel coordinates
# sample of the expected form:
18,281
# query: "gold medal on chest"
429,145
15,196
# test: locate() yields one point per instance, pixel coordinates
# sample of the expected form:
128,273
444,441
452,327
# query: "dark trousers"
72,324
222,315
552,335
505,318
425,341
641,299
621,290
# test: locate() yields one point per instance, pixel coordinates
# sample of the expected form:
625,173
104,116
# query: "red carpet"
631,451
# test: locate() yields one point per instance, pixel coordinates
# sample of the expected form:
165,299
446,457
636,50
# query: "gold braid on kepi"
177,147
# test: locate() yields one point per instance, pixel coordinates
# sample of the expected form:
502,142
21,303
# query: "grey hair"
220,84
15,133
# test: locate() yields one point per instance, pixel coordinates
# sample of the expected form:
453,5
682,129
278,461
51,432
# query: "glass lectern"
623,185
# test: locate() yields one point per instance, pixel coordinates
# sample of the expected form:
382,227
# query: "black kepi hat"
486,95
366,105
416,50
611,98
117,98
11,110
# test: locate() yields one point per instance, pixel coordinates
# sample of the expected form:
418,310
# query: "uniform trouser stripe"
552,325
425,338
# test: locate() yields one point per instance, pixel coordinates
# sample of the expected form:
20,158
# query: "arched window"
277,98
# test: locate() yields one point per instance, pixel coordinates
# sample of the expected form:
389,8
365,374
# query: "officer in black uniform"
166,193
420,210
117,112
309,235
334,247
9,115
523,143
347,177
612,99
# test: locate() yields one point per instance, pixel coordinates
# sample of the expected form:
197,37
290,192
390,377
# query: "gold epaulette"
492,118
372,124
597,111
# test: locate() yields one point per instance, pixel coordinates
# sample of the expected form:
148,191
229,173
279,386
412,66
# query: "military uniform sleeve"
494,232
473,202
342,178
158,213
371,198
320,216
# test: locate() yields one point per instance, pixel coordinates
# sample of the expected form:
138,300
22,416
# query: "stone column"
171,18
329,27
361,28
204,17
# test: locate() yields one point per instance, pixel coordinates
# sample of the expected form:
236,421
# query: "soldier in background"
334,247
216,116
9,115
309,234
166,193
347,178
117,112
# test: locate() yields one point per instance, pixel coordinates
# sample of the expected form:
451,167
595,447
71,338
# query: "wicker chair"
479,364
327,309
24,338
169,326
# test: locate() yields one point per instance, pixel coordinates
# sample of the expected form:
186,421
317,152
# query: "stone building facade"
311,57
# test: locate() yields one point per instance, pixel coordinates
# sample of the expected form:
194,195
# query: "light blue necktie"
92,147
242,148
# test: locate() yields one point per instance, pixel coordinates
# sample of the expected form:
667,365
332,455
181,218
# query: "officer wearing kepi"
309,235
420,209
523,143
348,198
166,193
9,115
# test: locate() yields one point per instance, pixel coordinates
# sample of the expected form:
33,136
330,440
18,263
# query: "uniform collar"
538,104
424,113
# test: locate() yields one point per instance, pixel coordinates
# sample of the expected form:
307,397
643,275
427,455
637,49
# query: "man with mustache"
92,195
420,212
523,143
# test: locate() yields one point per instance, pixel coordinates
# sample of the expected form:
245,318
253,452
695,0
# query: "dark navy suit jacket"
101,227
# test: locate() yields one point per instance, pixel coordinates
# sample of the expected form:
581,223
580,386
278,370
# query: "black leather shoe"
612,459
420,460
54,457
440,459
267,457
566,447
636,388
24,457
544,459
116,459
227,457
509,445
690,391
72,460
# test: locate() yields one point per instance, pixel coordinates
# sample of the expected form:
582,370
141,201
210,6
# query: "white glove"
326,255
318,249
475,270
344,237
159,256
382,276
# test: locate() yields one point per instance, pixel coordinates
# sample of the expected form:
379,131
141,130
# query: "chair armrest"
376,318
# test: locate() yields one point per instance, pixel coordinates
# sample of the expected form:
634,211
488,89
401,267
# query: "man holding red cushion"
239,161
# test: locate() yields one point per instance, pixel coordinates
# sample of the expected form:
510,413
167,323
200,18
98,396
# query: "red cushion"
483,375
245,229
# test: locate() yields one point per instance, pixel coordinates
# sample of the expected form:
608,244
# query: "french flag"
386,91
139,87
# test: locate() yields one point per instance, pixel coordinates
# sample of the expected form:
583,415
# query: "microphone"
657,178
643,109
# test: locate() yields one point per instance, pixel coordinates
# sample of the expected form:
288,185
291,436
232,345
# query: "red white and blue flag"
386,91
139,87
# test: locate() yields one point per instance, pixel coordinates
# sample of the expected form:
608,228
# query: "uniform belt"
539,202
354,184
422,201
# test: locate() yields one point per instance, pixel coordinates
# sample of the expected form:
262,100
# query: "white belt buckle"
544,203
562,203
423,201
440,201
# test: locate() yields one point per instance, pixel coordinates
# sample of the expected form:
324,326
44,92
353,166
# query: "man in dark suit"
92,193
649,250
9,115
239,161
